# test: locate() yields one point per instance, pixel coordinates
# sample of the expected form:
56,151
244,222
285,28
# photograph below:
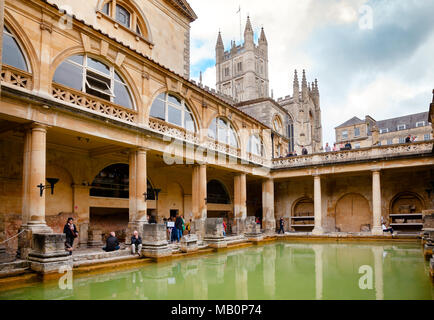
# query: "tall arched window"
291,135
256,146
171,109
12,54
222,131
89,75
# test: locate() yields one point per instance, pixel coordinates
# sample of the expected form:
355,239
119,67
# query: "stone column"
138,187
199,203
318,230
33,204
376,203
81,209
269,221
240,208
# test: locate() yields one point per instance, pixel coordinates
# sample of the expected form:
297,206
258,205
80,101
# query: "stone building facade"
369,132
242,75
122,137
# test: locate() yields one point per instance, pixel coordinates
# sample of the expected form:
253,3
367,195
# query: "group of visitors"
177,228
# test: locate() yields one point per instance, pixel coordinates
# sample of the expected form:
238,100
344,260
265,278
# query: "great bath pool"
277,271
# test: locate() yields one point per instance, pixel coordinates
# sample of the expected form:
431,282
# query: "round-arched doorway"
353,214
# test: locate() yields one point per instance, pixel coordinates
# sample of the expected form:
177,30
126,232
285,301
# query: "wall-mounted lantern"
52,182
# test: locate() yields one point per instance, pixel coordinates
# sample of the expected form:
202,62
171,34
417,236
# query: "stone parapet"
48,253
214,237
155,243
189,243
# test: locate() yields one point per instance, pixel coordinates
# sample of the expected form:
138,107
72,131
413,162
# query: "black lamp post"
52,182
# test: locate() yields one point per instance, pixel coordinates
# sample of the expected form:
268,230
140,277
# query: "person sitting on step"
136,243
112,243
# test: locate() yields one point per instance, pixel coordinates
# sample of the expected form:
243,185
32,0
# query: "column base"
318,231
25,238
377,231
269,226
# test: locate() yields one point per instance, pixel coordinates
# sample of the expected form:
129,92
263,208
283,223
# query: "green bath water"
278,271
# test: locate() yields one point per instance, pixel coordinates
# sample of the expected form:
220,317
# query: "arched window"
125,15
89,75
171,109
256,146
277,124
222,131
113,182
216,193
12,54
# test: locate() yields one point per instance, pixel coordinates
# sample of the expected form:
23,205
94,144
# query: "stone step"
99,255
14,272
18,264
85,263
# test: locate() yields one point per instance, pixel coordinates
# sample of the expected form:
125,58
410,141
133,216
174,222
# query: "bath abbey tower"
243,75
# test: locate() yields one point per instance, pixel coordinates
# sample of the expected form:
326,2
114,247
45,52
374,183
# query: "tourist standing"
282,225
408,139
224,228
70,230
327,148
136,243
304,151
335,148
112,243
178,228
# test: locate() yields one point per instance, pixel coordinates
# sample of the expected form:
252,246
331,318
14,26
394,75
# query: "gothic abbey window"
222,131
171,109
12,54
291,136
125,15
255,146
94,77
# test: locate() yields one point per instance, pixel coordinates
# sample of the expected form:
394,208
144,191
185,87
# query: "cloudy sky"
370,57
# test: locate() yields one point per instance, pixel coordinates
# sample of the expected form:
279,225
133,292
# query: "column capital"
316,175
139,150
36,126
376,170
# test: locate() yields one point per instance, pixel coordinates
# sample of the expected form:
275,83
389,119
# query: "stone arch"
79,50
217,192
133,6
303,206
406,202
26,45
111,182
353,213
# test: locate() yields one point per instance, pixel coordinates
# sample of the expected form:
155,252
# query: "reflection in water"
276,271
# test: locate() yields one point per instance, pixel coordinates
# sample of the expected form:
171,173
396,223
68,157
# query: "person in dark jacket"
136,243
282,224
70,230
112,243
178,227
304,151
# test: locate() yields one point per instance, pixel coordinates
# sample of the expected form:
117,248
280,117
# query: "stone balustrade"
368,154
92,103
16,77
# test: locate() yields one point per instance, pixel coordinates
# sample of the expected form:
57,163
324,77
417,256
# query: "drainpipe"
272,145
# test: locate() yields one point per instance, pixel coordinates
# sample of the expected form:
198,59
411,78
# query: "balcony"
16,77
366,154
92,103
172,131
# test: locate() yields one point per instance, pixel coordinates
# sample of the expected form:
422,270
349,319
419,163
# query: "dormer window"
123,17
384,131
420,124
401,127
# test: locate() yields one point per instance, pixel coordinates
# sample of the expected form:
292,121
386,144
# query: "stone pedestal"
198,228
155,243
428,219
253,230
83,237
48,253
189,243
25,239
214,233
239,226
94,239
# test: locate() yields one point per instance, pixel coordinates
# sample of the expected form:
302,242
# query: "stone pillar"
155,243
33,205
199,203
138,187
240,208
214,233
318,230
81,209
269,221
376,203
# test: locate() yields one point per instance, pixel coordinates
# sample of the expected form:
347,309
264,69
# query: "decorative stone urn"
214,233
155,243
48,254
